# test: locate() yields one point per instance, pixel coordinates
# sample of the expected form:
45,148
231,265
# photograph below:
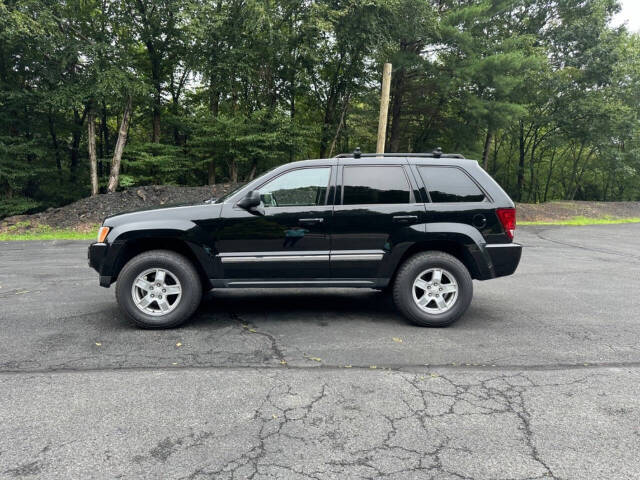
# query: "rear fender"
468,238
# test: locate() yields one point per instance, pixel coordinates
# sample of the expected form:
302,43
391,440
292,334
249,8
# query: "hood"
194,213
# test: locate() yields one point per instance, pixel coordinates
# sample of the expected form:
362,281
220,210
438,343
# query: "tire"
422,269
180,277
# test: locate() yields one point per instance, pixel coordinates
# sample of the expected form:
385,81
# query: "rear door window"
367,185
450,184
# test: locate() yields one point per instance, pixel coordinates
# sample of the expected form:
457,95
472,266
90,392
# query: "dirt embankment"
85,214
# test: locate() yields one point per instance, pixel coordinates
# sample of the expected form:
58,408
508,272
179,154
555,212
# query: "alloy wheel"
435,291
156,292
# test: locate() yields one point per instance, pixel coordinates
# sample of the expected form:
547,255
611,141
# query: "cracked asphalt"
540,379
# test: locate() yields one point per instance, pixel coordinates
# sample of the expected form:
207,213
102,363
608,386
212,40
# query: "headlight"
102,233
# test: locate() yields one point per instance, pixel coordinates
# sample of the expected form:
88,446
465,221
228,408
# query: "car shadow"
282,303
221,308
322,306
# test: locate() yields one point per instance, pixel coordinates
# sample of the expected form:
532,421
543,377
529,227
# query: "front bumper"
505,258
97,254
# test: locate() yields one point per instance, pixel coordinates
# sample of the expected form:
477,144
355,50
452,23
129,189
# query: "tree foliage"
544,93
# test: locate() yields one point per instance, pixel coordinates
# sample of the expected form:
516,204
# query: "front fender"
183,231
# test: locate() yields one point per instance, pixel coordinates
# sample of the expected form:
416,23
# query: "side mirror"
250,201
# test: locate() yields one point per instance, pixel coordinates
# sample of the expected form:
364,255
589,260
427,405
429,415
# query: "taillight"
507,218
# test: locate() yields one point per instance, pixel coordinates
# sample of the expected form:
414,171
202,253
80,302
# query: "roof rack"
437,153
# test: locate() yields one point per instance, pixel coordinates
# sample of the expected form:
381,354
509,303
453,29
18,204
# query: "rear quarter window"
450,184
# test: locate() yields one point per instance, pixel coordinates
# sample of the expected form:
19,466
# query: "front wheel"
158,289
433,289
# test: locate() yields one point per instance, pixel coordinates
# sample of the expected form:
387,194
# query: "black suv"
420,225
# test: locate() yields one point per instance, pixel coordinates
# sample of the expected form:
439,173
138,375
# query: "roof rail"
437,153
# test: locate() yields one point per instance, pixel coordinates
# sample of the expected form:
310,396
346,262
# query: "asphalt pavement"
540,378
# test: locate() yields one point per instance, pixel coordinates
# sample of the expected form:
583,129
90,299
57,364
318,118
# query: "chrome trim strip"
340,256
356,257
276,258
357,252
304,282
502,245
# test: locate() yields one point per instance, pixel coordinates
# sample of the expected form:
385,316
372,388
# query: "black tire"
409,271
176,264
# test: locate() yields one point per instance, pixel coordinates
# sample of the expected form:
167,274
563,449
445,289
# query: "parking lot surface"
540,378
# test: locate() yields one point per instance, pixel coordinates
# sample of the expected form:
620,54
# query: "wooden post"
384,107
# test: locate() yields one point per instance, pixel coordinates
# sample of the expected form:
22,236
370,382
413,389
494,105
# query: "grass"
28,231
581,221
52,235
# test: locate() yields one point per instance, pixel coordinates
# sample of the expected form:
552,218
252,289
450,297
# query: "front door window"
304,187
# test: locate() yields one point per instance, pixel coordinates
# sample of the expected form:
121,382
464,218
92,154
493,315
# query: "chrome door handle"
310,221
405,218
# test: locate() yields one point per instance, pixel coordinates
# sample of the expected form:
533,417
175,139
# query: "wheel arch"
459,240
452,247
136,246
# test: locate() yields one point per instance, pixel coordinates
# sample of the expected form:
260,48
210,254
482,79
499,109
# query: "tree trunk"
398,85
54,140
177,140
549,175
252,172
76,135
155,135
117,152
574,184
532,165
211,171
494,163
340,124
329,113
214,97
520,174
292,109
233,171
214,105
486,149
91,143
156,81
335,88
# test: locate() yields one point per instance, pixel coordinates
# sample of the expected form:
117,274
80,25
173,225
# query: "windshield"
228,194
241,186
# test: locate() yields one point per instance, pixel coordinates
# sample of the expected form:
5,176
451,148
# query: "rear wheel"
158,289
433,289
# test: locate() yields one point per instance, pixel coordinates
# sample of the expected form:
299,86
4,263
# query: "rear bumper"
97,254
504,257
